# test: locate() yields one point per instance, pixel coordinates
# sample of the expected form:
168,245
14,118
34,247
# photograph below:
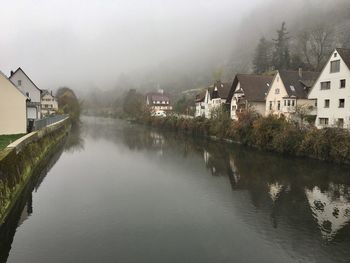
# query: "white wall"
274,97
26,86
13,116
333,113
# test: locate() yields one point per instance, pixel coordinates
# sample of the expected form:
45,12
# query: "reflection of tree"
75,142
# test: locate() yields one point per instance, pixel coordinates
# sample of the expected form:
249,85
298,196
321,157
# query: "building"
248,91
27,87
49,105
331,91
158,101
200,105
288,91
215,96
13,112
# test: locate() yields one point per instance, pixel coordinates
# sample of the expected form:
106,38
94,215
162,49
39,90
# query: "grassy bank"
7,139
17,166
265,133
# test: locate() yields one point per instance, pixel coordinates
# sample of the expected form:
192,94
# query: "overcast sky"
88,43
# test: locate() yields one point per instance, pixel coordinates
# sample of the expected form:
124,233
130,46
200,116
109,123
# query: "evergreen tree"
281,55
262,58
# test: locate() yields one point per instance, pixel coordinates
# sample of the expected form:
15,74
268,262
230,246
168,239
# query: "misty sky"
88,43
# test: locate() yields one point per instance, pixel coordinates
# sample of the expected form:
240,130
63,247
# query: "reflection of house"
332,91
49,103
27,87
332,212
248,91
215,97
274,190
158,101
289,89
13,113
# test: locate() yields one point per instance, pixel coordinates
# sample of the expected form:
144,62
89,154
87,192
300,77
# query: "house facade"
288,91
215,96
49,105
200,105
13,112
158,101
331,91
248,91
21,80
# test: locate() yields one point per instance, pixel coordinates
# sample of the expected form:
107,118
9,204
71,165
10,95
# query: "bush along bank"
265,133
18,162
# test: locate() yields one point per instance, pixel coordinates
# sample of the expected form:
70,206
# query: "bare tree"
316,43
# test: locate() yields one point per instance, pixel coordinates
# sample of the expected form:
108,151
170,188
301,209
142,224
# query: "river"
120,192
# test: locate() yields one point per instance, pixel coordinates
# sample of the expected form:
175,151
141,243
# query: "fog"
92,44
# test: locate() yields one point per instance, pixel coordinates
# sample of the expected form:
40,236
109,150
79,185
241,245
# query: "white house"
27,86
331,91
13,113
289,89
215,96
49,103
248,91
158,101
200,105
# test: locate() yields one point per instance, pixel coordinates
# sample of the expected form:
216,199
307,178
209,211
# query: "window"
315,103
277,91
323,121
341,103
270,105
335,66
292,88
288,102
340,123
19,82
335,55
342,83
326,103
293,103
325,85
278,105
285,103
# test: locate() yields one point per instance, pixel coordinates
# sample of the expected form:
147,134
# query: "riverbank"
270,134
19,160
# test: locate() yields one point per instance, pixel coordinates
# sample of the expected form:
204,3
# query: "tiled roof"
345,55
219,90
298,85
156,96
254,87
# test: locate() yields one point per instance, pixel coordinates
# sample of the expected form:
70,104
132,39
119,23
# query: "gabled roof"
2,74
253,86
201,96
219,90
46,92
157,96
298,84
345,55
19,69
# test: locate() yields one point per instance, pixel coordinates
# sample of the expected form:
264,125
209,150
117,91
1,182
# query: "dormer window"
335,66
19,82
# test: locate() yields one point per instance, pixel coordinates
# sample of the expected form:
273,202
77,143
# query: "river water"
118,192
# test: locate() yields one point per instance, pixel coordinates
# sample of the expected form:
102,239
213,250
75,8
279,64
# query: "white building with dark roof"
49,105
158,101
21,80
289,90
331,91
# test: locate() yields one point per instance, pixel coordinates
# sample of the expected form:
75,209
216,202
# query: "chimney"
300,73
11,73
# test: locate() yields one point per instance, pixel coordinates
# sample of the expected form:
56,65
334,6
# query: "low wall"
19,159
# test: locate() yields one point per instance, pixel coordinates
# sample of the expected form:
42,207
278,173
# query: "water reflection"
23,208
304,195
299,206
